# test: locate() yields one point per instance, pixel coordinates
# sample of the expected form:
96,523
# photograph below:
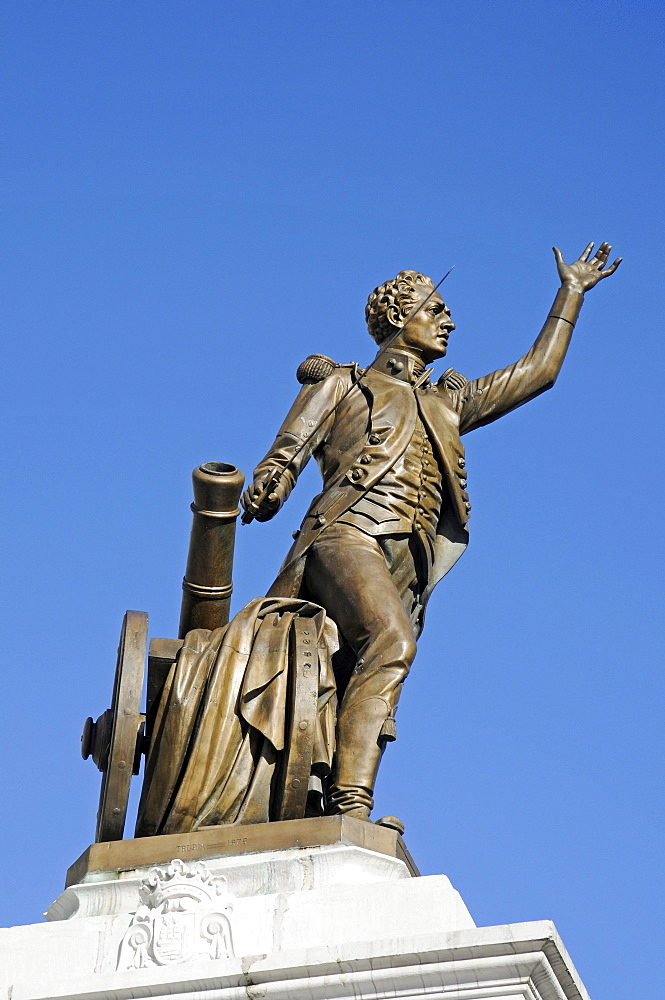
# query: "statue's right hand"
258,504
584,273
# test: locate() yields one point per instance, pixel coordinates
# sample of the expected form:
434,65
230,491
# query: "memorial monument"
263,735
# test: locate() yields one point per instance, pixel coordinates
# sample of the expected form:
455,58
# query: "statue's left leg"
349,573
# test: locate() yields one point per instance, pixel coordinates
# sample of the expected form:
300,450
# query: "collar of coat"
398,365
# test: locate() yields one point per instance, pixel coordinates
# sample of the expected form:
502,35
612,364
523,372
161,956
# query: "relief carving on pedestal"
184,916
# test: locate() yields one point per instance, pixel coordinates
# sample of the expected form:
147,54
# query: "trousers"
371,587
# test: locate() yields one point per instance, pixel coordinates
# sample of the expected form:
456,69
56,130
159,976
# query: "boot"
363,729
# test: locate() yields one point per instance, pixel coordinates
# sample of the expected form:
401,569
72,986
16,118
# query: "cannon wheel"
127,727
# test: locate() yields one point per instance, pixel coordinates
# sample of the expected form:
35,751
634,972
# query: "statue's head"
390,305
393,304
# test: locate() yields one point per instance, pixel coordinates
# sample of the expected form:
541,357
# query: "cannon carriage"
121,736
125,733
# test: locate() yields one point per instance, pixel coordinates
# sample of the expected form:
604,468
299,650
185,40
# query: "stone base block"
317,921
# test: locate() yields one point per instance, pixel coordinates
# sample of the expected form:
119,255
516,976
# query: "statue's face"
427,332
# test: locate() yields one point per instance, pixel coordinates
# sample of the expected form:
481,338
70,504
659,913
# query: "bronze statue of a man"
392,517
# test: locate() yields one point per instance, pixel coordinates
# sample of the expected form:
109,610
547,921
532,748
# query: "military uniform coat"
357,437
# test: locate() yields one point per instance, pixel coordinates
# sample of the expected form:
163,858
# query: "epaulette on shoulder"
317,367
453,381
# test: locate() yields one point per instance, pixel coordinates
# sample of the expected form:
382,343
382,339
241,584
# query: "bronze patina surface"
244,718
207,585
114,741
227,841
391,520
285,711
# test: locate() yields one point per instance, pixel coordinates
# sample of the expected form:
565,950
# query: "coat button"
366,459
461,463
355,474
467,506
462,483
374,439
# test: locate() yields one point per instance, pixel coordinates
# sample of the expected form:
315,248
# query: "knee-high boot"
364,727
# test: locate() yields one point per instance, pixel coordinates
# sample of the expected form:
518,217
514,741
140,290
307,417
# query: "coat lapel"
442,423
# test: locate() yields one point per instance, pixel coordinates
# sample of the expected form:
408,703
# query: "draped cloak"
222,721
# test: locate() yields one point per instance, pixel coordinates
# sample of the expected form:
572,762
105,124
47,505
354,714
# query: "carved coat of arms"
184,916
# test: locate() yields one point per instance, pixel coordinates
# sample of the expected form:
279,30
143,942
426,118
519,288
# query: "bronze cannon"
121,735
239,722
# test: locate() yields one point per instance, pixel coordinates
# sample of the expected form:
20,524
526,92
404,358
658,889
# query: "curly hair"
401,292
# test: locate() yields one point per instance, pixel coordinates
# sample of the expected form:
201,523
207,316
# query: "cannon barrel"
208,583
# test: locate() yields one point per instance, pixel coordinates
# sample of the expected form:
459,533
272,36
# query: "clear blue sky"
198,195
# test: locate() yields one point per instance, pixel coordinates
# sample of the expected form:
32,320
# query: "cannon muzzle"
208,583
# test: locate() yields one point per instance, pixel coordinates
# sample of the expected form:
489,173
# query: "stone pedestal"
311,909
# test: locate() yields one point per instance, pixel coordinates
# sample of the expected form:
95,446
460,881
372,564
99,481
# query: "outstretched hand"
584,273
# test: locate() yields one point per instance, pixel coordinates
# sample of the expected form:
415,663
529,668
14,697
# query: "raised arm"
485,399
